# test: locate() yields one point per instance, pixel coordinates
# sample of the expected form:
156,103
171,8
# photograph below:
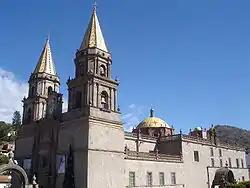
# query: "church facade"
105,155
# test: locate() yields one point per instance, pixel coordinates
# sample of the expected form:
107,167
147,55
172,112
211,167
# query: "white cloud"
133,116
11,93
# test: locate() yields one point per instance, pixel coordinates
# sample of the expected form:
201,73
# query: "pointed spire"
93,37
45,63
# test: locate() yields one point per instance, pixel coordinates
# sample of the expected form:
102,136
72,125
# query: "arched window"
49,89
102,70
32,90
104,100
29,115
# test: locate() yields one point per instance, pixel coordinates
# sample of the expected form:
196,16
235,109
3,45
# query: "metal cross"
94,5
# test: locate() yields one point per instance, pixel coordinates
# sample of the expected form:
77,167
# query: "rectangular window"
242,163
221,163
237,163
196,156
212,162
162,179
131,179
230,162
220,153
211,152
243,178
149,178
173,178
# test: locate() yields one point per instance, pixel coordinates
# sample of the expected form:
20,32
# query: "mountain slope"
233,135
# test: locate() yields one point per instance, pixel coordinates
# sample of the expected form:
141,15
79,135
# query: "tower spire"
45,63
93,37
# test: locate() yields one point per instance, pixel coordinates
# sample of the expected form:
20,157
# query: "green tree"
16,120
5,128
3,159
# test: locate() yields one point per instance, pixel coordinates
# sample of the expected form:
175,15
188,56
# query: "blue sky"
189,59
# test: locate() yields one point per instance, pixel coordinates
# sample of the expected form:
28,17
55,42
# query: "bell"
103,100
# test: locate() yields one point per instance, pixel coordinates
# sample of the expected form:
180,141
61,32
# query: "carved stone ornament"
151,132
162,132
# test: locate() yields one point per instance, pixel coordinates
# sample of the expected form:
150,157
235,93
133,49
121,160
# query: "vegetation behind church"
233,135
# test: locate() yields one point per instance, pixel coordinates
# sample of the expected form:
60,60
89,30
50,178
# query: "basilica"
152,155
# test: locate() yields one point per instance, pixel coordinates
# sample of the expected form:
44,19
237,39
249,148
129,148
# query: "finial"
94,6
48,36
151,112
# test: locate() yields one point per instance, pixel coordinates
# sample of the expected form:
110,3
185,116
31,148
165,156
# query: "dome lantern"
151,112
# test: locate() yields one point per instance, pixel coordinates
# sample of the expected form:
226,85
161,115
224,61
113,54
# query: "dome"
152,122
198,129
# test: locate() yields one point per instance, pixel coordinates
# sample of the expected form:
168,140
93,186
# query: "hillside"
233,135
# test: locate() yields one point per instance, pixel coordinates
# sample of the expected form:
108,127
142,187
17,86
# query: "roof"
93,37
152,121
45,63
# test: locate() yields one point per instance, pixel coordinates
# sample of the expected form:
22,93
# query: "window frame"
212,162
149,178
237,163
221,163
173,178
242,163
196,156
132,181
211,152
161,178
220,152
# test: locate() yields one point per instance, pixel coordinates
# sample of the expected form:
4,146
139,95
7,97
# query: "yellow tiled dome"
152,121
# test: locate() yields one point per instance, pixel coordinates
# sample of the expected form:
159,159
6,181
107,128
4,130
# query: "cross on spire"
48,36
94,5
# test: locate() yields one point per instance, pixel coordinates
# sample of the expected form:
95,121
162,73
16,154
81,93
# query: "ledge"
133,155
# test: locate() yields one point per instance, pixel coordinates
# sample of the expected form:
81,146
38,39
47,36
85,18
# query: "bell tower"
42,82
93,99
93,88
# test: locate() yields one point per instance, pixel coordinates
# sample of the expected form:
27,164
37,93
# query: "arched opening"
223,176
78,99
32,91
18,174
102,70
104,100
49,89
29,115
230,177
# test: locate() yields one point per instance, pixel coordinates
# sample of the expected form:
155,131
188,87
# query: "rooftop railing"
154,156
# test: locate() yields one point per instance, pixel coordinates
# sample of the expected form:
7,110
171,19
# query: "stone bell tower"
42,81
93,95
93,86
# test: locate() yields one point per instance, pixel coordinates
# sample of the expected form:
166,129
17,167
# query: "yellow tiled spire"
93,37
45,63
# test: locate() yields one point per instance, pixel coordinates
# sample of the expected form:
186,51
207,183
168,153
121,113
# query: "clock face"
51,110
